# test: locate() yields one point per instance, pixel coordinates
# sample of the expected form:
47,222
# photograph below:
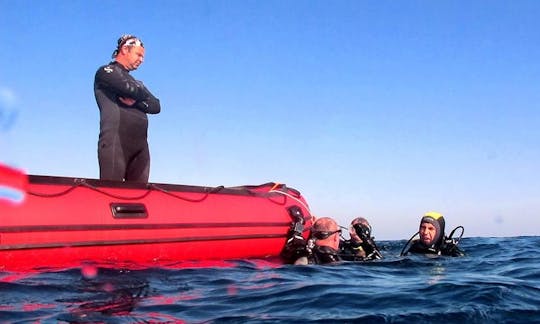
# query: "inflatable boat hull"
60,221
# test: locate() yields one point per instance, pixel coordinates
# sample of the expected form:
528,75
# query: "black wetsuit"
123,147
296,247
323,255
446,247
350,250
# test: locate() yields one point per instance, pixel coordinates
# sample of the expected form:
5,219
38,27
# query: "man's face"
427,233
134,57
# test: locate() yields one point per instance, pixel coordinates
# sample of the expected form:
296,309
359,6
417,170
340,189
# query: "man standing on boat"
123,103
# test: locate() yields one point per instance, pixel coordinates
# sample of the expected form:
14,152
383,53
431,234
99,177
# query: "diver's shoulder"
109,68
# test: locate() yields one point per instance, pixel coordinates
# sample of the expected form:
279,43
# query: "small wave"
497,281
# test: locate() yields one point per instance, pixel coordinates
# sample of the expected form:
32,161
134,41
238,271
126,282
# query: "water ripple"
498,281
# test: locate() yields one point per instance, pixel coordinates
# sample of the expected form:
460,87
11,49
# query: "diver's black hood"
436,220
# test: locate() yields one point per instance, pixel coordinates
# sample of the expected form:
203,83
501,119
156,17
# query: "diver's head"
431,229
364,225
129,52
326,232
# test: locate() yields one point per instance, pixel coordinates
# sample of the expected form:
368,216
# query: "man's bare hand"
127,101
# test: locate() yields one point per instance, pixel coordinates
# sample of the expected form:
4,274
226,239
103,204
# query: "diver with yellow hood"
432,239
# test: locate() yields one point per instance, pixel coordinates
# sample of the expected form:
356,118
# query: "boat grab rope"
151,187
306,207
212,190
83,183
57,194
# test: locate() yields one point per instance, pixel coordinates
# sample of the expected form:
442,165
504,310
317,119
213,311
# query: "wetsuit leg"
112,165
138,168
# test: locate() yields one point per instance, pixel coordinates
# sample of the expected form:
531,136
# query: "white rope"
294,198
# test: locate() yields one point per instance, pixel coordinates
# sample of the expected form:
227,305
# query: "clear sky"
381,109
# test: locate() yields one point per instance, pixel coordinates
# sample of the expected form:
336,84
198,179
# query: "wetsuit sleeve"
372,252
150,105
294,248
121,83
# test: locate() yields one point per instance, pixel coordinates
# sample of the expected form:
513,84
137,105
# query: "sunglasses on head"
129,40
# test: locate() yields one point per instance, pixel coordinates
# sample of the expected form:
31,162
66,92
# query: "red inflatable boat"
59,221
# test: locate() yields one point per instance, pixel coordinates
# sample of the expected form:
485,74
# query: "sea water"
497,281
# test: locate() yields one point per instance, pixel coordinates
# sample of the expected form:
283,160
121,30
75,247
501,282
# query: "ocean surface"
498,281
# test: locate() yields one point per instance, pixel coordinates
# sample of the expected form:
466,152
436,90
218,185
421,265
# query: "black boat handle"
128,210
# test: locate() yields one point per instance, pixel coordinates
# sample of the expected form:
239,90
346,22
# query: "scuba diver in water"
325,244
361,246
322,246
433,239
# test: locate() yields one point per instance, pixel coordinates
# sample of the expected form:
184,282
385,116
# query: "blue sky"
381,109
